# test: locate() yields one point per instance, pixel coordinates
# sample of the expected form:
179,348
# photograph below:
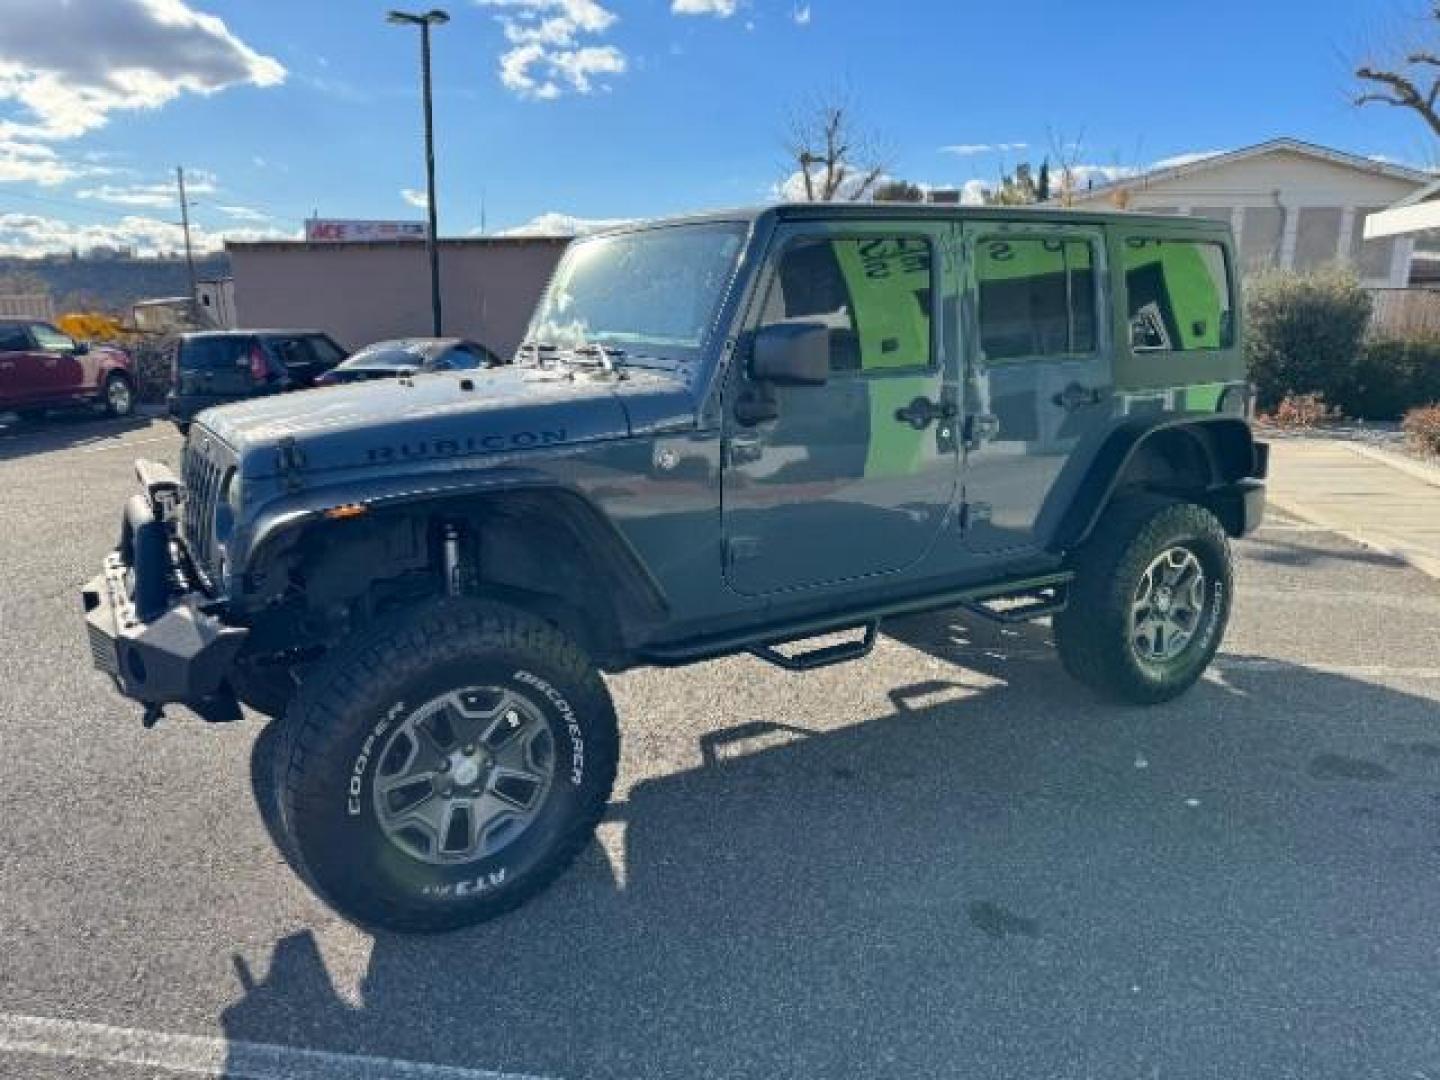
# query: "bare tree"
834,158
1412,83
1066,152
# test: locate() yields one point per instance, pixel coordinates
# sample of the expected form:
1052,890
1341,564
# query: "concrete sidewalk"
1378,498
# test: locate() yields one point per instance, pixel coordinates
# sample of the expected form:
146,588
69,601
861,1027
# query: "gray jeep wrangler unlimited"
725,434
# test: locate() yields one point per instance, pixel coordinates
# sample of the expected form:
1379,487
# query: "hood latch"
291,460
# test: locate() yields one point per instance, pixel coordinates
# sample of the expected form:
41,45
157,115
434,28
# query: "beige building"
364,292
1291,203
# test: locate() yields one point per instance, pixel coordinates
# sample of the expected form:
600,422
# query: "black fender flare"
1093,471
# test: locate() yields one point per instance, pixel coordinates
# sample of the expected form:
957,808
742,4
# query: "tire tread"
392,651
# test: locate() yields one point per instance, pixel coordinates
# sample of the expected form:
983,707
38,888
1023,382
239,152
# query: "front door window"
839,485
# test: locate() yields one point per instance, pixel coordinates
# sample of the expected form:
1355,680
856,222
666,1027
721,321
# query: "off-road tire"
112,401
1094,634
267,690
335,730
267,774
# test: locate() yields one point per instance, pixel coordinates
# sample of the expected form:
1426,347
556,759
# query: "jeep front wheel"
447,768
1150,600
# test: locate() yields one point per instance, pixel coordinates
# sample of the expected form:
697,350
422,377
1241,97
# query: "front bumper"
156,636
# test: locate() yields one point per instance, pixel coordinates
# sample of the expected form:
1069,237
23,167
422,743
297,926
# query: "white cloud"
801,15
721,9
1083,176
1188,158
33,234
151,195
555,223
65,67
973,192
34,163
792,188
243,213
973,149
552,50
414,198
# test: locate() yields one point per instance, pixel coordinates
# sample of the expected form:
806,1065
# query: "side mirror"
792,354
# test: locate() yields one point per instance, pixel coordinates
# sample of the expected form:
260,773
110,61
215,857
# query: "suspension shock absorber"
454,584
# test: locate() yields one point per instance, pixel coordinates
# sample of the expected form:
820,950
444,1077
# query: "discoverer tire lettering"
341,726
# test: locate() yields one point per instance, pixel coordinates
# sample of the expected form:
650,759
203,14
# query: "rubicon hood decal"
467,444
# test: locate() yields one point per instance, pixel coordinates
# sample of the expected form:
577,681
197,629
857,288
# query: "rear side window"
14,339
1179,295
327,353
292,352
874,294
215,354
1037,296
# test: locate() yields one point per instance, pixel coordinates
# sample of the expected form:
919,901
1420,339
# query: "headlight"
235,492
227,507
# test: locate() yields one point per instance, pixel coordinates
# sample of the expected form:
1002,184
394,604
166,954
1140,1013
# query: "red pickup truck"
41,368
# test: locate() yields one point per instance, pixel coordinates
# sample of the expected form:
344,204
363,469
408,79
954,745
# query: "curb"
1384,545
1430,474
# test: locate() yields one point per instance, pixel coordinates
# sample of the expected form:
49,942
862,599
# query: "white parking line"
124,445
194,1055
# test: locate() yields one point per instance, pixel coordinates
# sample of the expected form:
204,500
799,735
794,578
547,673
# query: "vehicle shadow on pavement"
998,877
62,431
1297,554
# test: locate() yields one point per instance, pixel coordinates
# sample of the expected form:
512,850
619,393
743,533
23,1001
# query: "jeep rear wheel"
1150,600
447,768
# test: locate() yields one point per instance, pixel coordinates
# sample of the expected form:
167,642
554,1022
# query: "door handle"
1076,396
743,449
980,428
922,412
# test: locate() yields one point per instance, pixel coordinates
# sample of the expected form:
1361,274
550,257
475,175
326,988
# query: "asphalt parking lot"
947,861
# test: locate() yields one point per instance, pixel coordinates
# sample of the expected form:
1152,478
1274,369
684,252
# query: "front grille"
206,464
102,650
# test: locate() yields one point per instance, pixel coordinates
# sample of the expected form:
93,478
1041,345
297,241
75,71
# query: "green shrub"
1390,377
1422,428
1304,332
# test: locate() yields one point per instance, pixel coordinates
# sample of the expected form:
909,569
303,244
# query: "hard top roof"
885,211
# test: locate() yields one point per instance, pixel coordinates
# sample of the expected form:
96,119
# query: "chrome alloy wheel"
465,775
1168,606
117,397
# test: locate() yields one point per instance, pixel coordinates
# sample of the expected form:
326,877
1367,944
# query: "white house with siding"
1291,203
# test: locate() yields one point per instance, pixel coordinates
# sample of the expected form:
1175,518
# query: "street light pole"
435,17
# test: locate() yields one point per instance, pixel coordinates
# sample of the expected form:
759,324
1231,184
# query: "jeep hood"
428,418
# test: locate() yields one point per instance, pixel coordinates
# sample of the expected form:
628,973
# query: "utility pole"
424,22
185,225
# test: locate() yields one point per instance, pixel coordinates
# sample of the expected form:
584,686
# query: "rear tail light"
259,370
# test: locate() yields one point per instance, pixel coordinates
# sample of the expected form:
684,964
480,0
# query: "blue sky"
626,108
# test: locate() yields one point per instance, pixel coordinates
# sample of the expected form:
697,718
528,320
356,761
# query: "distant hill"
110,284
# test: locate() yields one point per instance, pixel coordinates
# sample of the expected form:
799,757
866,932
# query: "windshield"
388,354
654,289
